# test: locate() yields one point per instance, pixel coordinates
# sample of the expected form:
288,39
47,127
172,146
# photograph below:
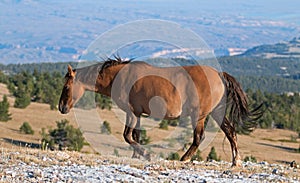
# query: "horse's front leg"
136,136
131,121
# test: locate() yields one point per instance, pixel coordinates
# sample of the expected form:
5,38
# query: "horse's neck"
91,81
109,77
87,77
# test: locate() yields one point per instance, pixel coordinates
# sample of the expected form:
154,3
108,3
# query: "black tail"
243,119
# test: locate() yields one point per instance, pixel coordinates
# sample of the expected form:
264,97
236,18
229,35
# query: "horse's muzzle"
64,109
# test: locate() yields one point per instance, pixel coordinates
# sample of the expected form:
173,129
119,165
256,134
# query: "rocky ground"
29,165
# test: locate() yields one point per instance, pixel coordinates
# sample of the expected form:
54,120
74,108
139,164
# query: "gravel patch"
41,166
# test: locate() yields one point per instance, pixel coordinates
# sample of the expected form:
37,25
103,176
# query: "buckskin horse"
168,93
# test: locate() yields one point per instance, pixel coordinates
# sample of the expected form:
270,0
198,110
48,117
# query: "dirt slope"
273,146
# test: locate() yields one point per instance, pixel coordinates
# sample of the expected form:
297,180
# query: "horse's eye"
66,87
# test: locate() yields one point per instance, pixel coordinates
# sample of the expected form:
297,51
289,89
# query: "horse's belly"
160,107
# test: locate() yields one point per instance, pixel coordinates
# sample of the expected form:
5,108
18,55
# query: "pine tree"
212,155
26,128
65,136
173,156
4,110
22,97
3,78
105,128
197,156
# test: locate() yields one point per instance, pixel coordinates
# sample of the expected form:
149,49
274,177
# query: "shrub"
173,156
250,158
92,100
26,128
144,139
105,128
4,110
197,156
116,153
163,125
103,102
212,155
65,136
173,122
46,141
161,155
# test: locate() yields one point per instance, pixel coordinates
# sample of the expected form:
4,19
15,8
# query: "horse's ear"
70,71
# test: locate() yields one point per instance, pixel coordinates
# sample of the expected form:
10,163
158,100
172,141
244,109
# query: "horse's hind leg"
198,135
218,115
230,133
136,136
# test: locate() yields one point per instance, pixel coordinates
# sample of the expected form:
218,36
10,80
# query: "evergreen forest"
275,83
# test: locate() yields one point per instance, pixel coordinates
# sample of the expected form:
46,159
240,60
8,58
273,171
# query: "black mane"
116,60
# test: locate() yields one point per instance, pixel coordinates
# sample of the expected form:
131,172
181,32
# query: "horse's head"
71,93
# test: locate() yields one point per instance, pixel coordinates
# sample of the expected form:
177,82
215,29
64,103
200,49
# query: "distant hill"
280,50
35,31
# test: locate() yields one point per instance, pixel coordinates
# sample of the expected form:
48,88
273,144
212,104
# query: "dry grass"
273,146
37,115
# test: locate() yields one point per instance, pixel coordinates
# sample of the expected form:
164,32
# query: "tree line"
282,110
41,87
46,87
270,84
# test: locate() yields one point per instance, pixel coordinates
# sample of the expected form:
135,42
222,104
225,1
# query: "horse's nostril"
64,110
